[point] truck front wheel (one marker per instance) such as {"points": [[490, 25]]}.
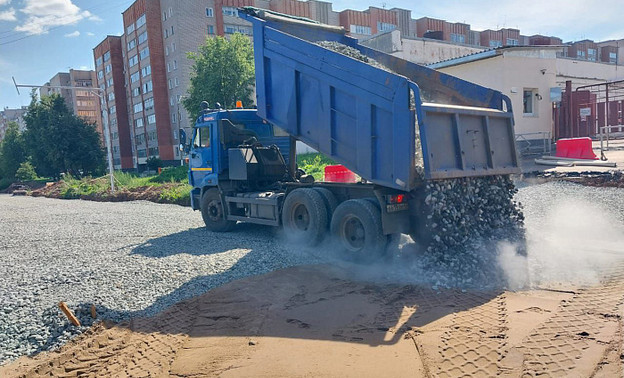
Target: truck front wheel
{"points": [[212, 212], [304, 216], [356, 226]]}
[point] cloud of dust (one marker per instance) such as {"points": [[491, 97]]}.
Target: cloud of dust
{"points": [[573, 243]]}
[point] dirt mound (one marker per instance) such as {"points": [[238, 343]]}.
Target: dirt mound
{"points": [[612, 179], [152, 193], [316, 321]]}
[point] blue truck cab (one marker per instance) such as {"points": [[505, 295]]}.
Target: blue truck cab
{"points": [[217, 130]]}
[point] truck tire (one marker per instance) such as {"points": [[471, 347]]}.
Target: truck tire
{"points": [[356, 228], [304, 216], [212, 212], [331, 203]]}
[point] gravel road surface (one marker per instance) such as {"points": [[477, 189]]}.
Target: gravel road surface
{"points": [[129, 259], [138, 258]]}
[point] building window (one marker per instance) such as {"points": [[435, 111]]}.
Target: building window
{"points": [[107, 56], [231, 29], [108, 68], [151, 119], [458, 38], [528, 102], [149, 103], [166, 33], [133, 61], [164, 18], [142, 37], [173, 47], [130, 28], [136, 91], [147, 87], [141, 153], [138, 122], [112, 109], [109, 82], [591, 54], [176, 81], [144, 53], [210, 29], [384, 27], [173, 118], [131, 44], [495, 43], [175, 64], [612, 57], [170, 84], [209, 12], [580, 54], [100, 74], [167, 50], [153, 151], [135, 77], [512, 42], [111, 96], [171, 30], [360, 29], [140, 21], [230, 11], [147, 70], [98, 61], [138, 107]]}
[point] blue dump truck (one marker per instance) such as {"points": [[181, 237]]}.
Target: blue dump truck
{"points": [[397, 127]]}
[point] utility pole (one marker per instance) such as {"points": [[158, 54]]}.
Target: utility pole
{"points": [[100, 94], [180, 97]]}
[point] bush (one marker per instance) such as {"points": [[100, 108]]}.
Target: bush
{"points": [[5, 183], [26, 172], [180, 194], [153, 163], [172, 174]]}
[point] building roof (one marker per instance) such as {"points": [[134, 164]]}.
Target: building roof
{"points": [[488, 54]]}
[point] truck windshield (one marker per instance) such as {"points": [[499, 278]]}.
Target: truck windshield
{"points": [[202, 137]]}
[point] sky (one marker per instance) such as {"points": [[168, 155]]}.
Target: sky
{"points": [[39, 38]]}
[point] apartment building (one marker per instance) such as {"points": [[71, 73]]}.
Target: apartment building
{"points": [[146, 83], [9, 115], [109, 65], [83, 102]]}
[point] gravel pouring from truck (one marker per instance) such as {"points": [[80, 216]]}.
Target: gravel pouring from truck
{"points": [[371, 120]]}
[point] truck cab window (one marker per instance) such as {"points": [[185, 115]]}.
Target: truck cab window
{"points": [[202, 137]]}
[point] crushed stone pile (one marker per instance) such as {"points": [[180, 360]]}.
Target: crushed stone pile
{"points": [[456, 211]]}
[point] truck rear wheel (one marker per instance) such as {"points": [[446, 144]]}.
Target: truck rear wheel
{"points": [[356, 226], [212, 212], [304, 216]]}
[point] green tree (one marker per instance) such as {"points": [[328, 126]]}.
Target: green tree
{"points": [[26, 172], [12, 151], [153, 163], [58, 141], [223, 71]]}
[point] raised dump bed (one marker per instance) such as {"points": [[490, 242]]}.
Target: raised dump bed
{"points": [[364, 117]]}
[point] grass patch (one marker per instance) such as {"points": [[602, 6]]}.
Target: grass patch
{"points": [[180, 194], [314, 164]]}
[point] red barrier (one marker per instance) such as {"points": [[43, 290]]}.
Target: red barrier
{"points": [[338, 173], [575, 148]]}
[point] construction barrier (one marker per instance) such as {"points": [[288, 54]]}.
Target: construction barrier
{"points": [[575, 148], [338, 173]]}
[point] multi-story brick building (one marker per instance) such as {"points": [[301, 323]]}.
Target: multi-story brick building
{"points": [[9, 115], [146, 77], [585, 49], [109, 65], [83, 102]]}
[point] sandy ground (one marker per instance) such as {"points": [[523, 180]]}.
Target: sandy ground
{"points": [[316, 321]]}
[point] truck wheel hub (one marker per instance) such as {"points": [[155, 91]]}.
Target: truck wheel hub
{"points": [[353, 235], [214, 210], [301, 218]]}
